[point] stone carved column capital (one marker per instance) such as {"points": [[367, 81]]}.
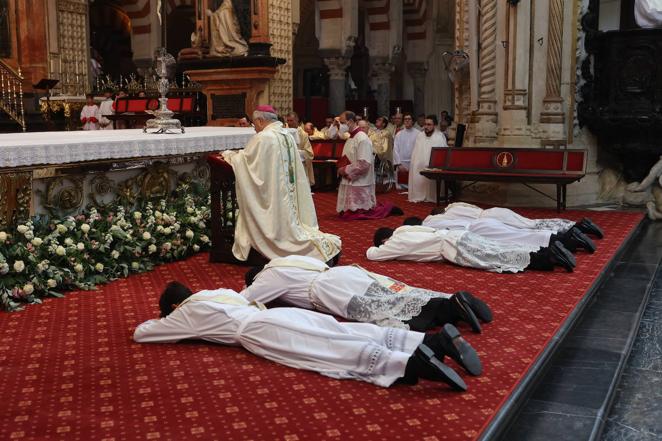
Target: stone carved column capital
{"points": [[381, 71], [337, 66]]}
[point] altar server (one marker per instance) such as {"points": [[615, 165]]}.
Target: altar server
{"points": [[106, 108], [464, 248], [462, 210], [404, 143], [356, 193], [276, 211], [356, 294], [89, 115], [422, 189], [304, 146], [308, 340]]}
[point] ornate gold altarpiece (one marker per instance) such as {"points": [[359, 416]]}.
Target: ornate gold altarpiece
{"points": [[59, 173]]}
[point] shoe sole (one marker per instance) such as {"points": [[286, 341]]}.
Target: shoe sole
{"points": [[480, 308], [468, 358], [467, 312], [446, 373]]}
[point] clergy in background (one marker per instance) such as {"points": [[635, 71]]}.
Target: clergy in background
{"points": [[422, 189], [276, 211], [403, 145], [356, 193], [305, 149]]}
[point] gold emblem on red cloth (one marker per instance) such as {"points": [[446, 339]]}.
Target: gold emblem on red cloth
{"points": [[504, 159]]}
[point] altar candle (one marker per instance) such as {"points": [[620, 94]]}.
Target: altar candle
{"points": [[365, 112], [76, 66], [397, 111]]}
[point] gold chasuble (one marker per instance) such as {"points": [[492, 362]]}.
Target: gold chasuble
{"points": [[276, 211]]}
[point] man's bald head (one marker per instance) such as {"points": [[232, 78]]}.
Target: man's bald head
{"points": [[364, 126]]}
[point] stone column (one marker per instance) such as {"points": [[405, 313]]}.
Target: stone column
{"points": [[552, 112], [337, 74], [381, 74], [486, 116], [418, 71]]}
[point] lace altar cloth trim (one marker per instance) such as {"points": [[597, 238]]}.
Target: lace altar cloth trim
{"points": [[36, 148]]}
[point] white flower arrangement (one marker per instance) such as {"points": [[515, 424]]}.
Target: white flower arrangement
{"points": [[45, 256]]}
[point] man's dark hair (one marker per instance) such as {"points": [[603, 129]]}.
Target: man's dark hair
{"points": [[383, 118], [293, 114], [173, 294], [421, 115], [89, 95], [433, 118], [437, 210], [407, 114], [413, 220], [349, 115], [381, 235], [249, 277]]}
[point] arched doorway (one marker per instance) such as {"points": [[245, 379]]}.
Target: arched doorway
{"points": [[110, 38]]}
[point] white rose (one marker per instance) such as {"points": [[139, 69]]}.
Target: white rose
{"points": [[60, 251], [37, 241], [3, 236], [98, 267], [115, 254], [167, 246], [137, 215], [146, 235], [196, 248], [204, 238], [201, 225], [78, 268], [29, 235], [159, 229], [28, 288], [135, 265], [4, 268], [167, 231], [158, 214], [189, 234], [151, 249], [68, 241], [51, 283], [176, 227], [22, 229], [19, 266], [61, 229], [189, 210], [85, 228], [80, 246]]}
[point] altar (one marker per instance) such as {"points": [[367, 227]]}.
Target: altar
{"points": [[60, 173]]}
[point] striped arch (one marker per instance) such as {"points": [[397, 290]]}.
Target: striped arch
{"points": [[414, 18], [329, 9], [378, 14], [139, 13]]}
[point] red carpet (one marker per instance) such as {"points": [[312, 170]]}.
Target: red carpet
{"points": [[69, 369]]}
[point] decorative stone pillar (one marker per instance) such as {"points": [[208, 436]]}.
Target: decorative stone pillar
{"points": [[552, 112], [337, 74], [486, 116], [381, 74], [418, 71]]}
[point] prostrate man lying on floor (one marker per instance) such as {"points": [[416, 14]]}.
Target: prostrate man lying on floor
{"points": [[356, 294], [464, 248], [462, 210], [494, 229], [309, 340]]}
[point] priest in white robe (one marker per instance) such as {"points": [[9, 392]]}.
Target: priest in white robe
{"points": [[354, 293], [422, 189], [465, 211], [276, 211], [464, 248], [356, 193], [306, 339], [403, 144]]}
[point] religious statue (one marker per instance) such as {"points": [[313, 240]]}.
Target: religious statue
{"points": [[651, 188], [225, 36]]}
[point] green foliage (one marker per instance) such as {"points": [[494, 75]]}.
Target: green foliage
{"points": [[46, 256]]}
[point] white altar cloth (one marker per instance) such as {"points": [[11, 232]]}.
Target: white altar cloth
{"points": [[43, 148]]}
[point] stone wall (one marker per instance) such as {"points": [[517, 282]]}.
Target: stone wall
{"points": [[281, 34]]}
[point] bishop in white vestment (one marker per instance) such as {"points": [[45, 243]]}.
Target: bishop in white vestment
{"points": [[356, 294], [306, 339], [276, 211], [422, 189]]}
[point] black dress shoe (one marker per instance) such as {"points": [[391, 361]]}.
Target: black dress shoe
{"points": [[396, 211], [479, 308], [581, 240], [449, 342], [425, 364], [463, 311], [587, 226], [560, 256]]}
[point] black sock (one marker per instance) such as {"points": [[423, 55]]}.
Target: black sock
{"points": [[540, 261], [429, 316]]}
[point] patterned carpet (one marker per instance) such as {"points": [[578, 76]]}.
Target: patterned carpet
{"points": [[69, 369]]}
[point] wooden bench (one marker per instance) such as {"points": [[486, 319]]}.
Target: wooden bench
{"points": [[494, 164], [327, 152]]}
